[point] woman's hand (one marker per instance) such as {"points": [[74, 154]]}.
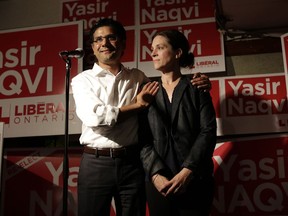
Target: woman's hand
{"points": [[179, 182], [161, 183]]}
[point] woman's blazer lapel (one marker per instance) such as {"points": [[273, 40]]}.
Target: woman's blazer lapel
{"points": [[177, 96]]}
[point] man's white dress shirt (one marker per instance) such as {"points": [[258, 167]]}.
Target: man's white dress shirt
{"points": [[98, 95]]}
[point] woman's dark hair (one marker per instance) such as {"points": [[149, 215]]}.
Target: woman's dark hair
{"points": [[115, 25], [178, 41]]}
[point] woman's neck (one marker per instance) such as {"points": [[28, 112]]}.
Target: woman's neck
{"points": [[170, 78], [169, 82]]}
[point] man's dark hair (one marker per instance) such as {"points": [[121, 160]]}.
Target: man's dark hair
{"points": [[115, 25]]}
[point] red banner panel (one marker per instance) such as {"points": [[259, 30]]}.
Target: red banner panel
{"points": [[174, 10], [251, 179], [251, 104], [90, 11], [30, 64], [255, 96]]}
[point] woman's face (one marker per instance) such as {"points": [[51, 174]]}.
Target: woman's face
{"points": [[163, 56]]}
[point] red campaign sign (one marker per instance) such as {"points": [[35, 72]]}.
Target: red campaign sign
{"points": [[256, 96], [174, 10], [30, 64], [129, 53], [247, 184], [251, 177], [33, 179], [90, 11], [204, 39]]}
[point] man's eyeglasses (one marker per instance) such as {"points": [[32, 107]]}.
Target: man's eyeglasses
{"points": [[111, 38]]}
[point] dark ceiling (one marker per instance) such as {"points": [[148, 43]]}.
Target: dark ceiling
{"points": [[252, 18]]}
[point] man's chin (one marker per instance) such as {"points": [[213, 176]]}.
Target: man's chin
{"points": [[107, 58]]}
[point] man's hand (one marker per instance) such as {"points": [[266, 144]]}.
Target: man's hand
{"points": [[143, 99], [147, 93], [201, 81]]}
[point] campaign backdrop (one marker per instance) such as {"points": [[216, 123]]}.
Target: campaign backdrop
{"points": [[251, 104], [251, 179], [32, 75], [32, 78], [251, 176], [244, 105], [143, 18]]}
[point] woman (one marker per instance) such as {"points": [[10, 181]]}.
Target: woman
{"points": [[181, 136]]}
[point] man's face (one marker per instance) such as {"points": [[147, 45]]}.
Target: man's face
{"points": [[107, 47]]}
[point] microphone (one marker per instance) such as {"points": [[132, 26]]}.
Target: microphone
{"points": [[77, 53]]}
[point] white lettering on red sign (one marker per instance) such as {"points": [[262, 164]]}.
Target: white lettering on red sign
{"points": [[249, 170], [267, 171], [146, 50], [258, 89], [255, 98], [78, 9], [88, 13], [174, 14], [13, 81], [15, 86], [56, 173], [18, 57]]}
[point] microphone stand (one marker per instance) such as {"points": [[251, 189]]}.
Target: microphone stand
{"points": [[66, 56], [65, 157]]}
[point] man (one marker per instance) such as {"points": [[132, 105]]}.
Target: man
{"points": [[108, 98]]}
